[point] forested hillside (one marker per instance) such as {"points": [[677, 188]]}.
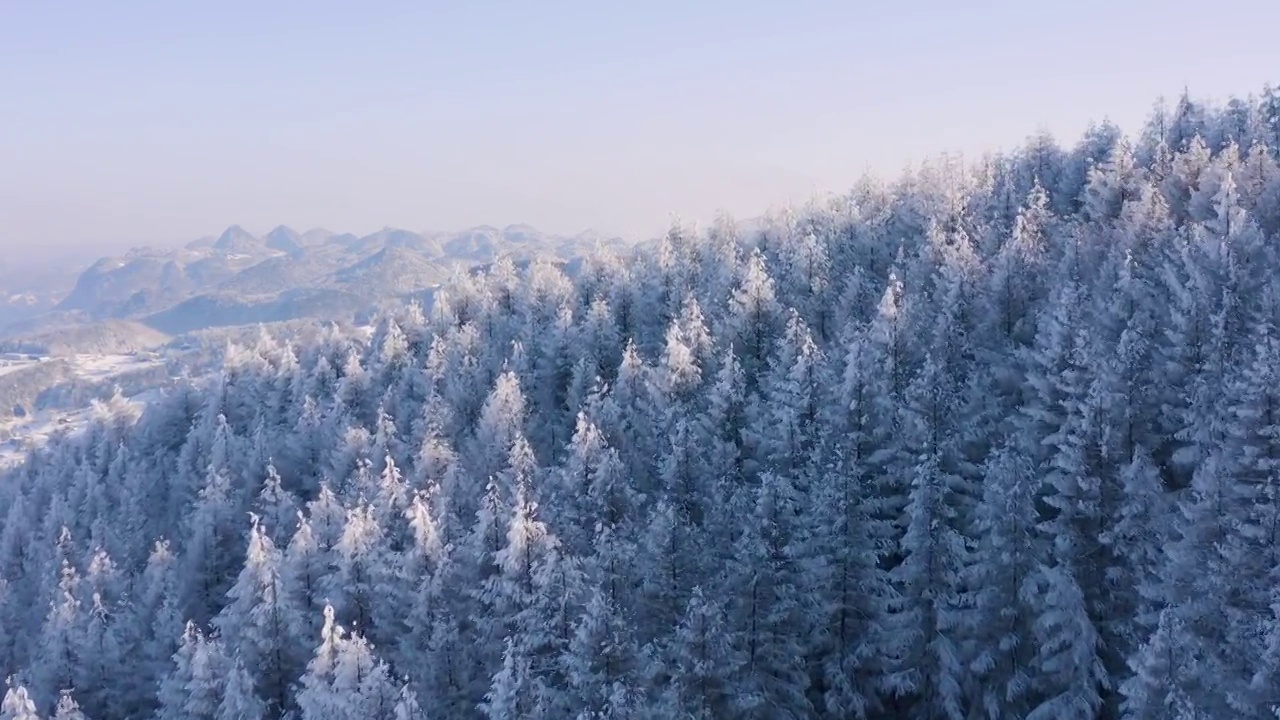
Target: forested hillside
{"points": [[994, 440]]}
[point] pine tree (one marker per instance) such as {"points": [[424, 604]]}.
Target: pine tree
{"points": [[518, 606], [476, 569], [1266, 675], [1158, 688], [512, 694], [1003, 573], [926, 621], [702, 663], [17, 704], [627, 417], [67, 708], [305, 569], [390, 499], [664, 571], [787, 429], [407, 707], [1253, 552], [592, 487], [239, 700], [173, 686], [878, 366], [1110, 183], [211, 548], [600, 662], [1200, 570], [60, 651], [1136, 539], [409, 580], [437, 469], [1067, 669], [433, 642], [697, 339], [258, 625], [100, 661], [359, 563], [850, 589], [755, 317], [500, 424], [927, 660], [152, 624], [194, 688], [678, 375], [1073, 469], [344, 680], [277, 508], [1016, 280], [550, 374], [316, 699], [766, 612], [723, 422]]}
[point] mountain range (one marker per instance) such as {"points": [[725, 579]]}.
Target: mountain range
{"points": [[239, 278]]}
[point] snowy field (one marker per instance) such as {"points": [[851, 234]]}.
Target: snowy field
{"points": [[11, 363], [102, 367], [34, 431], [20, 433]]}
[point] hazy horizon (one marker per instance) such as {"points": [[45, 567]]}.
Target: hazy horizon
{"points": [[138, 125]]}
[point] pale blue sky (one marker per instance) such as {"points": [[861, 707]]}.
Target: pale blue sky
{"points": [[132, 122]]}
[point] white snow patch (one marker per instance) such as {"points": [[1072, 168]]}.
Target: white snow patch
{"points": [[19, 436], [99, 367], [12, 364]]}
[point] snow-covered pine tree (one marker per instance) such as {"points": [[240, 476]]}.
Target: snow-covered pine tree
{"points": [[240, 700], [17, 704], [702, 662], [1002, 575], [766, 613], [258, 627], [67, 708]]}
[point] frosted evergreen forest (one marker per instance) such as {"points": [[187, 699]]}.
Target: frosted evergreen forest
{"points": [[997, 439]]}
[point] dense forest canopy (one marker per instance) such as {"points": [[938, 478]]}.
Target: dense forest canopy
{"points": [[994, 440]]}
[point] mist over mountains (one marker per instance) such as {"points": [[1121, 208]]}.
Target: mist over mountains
{"points": [[238, 278]]}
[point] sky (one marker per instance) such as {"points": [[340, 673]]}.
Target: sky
{"points": [[128, 123]]}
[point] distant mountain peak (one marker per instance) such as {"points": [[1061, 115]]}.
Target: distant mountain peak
{"points": [[284, 239], [234, 238], [201, 243], [387, 254], [316, 236]]}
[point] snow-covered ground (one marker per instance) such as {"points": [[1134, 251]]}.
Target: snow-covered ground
{"points": [[101, 367], [91, 375], [85, 367], [34, 431], [14, 363]]}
